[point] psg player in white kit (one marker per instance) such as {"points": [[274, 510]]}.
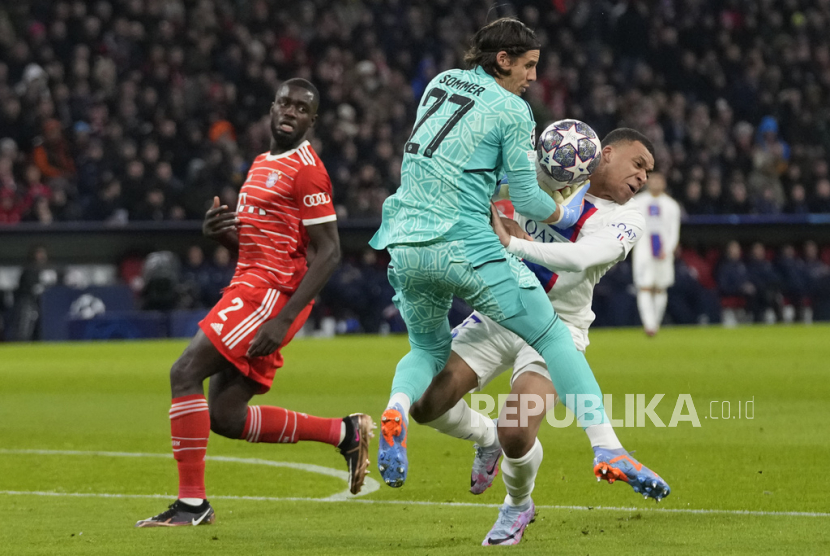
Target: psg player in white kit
{"points": [[569, 263], [652, 261], [285, 213]]}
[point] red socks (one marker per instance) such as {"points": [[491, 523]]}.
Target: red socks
{"points": [[275, 424], [190, 428]]}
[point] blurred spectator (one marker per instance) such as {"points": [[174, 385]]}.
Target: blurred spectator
{"points": [[766, 304], [40, 211], [161, 277], [794, 280], [693, 299], [615, 300], [738, 201], [821, 199], [195, 278], [38, 274], [11, 207], [693, 200], [91, 165], [359, 292], [766, 202], [770, 157], [689, 302], [712, 202], [732, 276], [202, 281], [107, 206], [798, 200], [52, 152], [220, 272], [34, 186], [153, 206], [818, 281]]}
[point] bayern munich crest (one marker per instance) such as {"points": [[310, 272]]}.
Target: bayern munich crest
{"points": [[273, 178]]}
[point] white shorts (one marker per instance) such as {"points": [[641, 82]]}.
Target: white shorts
{"points": [[490, 350], [649, 272]]}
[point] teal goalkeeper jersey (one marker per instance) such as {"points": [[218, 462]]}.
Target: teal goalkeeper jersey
{"points": [[469, 132]]}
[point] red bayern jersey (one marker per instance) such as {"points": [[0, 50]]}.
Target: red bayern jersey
{"points": [[282, 195]]}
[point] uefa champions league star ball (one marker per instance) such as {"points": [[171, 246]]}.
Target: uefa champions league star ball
{"points": [[568, 152]]}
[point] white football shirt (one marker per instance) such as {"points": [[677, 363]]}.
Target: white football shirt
{"points": [[602, 237]]}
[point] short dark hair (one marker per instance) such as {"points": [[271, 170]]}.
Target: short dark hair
{"points": [[307, 85], [628, 135], [507, 34]]}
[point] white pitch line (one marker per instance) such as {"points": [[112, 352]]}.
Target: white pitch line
{"points": [[370, 486], [417, 503]]}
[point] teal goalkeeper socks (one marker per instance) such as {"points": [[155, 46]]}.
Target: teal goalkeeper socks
{"points": [[572, 376], [428, 355]]}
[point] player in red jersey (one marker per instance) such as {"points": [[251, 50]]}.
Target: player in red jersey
{"points": [[285, 213]]}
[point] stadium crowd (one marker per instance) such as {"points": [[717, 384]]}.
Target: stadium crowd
{"points": [[143, 110], [120, 110]]}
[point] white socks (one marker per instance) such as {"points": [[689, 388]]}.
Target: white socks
{"points": [[520, 475], [402, 399], [652, 307], [464, 423], [645, 304], [660, 300], [192, 501], [603, 436]]}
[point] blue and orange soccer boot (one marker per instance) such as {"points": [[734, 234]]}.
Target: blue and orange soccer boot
{"points": [[618, 465], [392, 461]]}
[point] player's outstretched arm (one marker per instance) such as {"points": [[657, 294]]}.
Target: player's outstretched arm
{"points": [[569, 257], [608, 245], [324, 242], [220, 225]]}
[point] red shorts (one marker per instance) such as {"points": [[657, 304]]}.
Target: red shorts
{"points": [[234, 321]]}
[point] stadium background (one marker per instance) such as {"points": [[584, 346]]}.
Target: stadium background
{"points": [[121, 120]]}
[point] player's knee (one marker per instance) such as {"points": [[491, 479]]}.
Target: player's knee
{"points": [[181, 374], [224, 424], [421, 412], [515, 441]]}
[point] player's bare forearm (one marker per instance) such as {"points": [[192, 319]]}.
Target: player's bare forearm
{"points": [[325, 243]]}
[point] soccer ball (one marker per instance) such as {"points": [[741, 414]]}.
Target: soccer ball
{"points": [[568, 152]]}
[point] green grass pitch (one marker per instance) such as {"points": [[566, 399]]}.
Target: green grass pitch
{"points": [[758, 483]]}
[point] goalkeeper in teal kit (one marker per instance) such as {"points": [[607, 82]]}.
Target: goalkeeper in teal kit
{"points": [[472, 128]]}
